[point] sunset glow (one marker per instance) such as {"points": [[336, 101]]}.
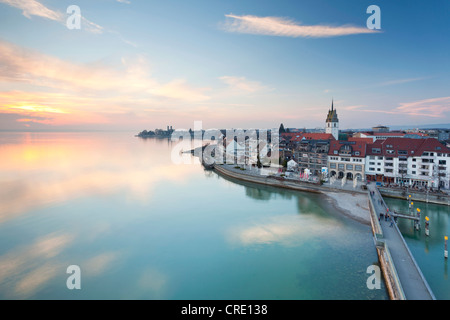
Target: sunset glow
{"points": [[236, 66]]}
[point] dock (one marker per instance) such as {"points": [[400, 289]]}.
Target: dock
{"points": [[403, 276]]}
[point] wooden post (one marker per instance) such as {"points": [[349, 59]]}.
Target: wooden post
{"points": [[417, 223], [427, 223], [445, 248]]}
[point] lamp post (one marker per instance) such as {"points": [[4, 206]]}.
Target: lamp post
{"points": [[445, 248], [417, 222], [427, 223]]}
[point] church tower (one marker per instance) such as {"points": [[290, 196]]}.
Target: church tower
{"points": [[332, 122]]}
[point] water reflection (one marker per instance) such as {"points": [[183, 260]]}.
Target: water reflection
{"points": [[306, 202], [141, 227], [38, 171]]}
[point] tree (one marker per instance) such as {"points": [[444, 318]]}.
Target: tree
{"points": [[281, 130], [258, 162]]}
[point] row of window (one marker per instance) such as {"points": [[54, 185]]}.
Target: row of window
{"points": [[346, 159], [346, 166]]}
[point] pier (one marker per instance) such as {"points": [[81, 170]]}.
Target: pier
{"points": [[403, 276]]}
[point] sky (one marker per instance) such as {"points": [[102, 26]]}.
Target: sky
{"points": [[144, 64]]}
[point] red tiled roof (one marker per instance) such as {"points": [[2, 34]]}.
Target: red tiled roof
{"points": [[411, 147], [431, 145], [366, 140], [357, 146], [313, 136]]}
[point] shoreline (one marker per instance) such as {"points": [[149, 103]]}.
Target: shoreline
{"points": [[353, 205]]}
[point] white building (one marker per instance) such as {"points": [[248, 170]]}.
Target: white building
{"points": [[411, 162]]}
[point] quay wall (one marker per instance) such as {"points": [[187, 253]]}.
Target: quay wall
{"points": [[415, 196], [270, 181], [390, 275]]}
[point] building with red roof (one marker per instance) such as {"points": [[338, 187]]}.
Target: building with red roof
{"points": [[407, 161], [346, 159]]}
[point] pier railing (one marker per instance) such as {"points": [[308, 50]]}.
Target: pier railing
{"points": [[392, 275]]}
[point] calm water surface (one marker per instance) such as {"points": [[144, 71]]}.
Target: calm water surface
{"points": [[141, 227]]}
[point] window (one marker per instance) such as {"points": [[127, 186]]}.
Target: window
{"points": [[371, 157], [371, 169], [413, 165], [413, 172], [372, 163], [358, 167], [376, 150], [402, 152], [442, 162], [390, 151], [341, 167], [356, 153], [425, 154], [335, 152], [414, 159], [378, 169], [389, 170], [349, 167], [333, 165]]}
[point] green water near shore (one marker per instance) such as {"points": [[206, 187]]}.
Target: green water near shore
{"points": [[428, 251], [141, 227]]}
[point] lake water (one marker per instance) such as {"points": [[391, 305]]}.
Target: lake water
{"points": [[428, 251], [140, 227]]}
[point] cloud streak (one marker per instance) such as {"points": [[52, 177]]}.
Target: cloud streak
{"points": [[283, 27], [430, 108], [35, 8], [242, 84]]}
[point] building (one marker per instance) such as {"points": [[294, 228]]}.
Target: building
{"points": [[379, 135], [380, 128], [420, 163], [332, 123], [312, 155], [347, 159]]}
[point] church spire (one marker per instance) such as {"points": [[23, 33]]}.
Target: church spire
{"points": [[332, 104]]}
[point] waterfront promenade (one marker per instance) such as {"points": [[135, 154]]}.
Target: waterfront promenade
{"points": [[411, 280]]}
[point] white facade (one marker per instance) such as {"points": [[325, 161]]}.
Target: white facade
{"points": [[333, 128], [431, 169]]}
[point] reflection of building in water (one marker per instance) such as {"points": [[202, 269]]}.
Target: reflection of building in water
{"points": [[258, 194]]}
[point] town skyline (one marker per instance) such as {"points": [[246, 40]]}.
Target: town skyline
{"points": [[137, 65]]}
